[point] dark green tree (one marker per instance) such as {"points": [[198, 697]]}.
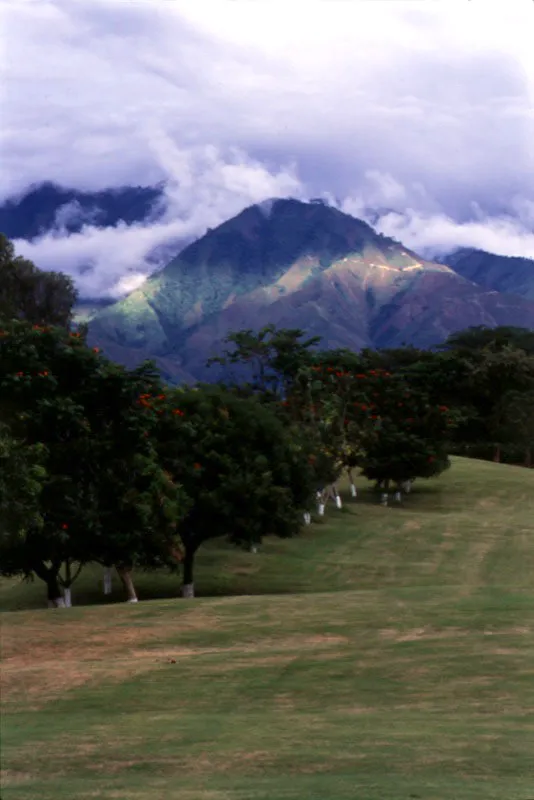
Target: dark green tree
{"points": [[104, 497], [247, 476], [28, 293], [267, 362], [483, 338]]}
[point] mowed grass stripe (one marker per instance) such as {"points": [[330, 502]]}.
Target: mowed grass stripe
{"points": [[408, 673]]}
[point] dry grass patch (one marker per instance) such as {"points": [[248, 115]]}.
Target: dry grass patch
{"points": [[42, 664], [412, 525], [426, 632]]}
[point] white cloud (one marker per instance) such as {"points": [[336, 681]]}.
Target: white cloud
{"points": [[426, 109], [438, 234], [203, 190], [72, 213]]}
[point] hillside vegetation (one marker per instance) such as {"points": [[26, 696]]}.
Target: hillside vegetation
{"points": [[384, 654]]}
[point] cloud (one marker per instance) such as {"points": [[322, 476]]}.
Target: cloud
{"points": [[73, 213], [205, 189], [393, 210], [423, 109], [437, 234]]}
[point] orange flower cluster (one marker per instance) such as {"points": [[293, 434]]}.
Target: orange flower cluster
{"points": [[43, 374]]}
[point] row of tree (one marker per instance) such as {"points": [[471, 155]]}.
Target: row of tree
{"points": [[103, 464]]}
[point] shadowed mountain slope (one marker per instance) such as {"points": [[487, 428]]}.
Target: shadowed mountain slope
{"points": [[500, 273]]}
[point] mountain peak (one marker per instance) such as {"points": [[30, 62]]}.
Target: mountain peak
{"points": [[295, 264]]}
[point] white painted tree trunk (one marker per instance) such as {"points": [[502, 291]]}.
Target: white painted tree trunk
{"points": [[253, 548], [126, 577], [339, 504], [188, 590], [384, 499], [107, 580], [332, 492], [398, 497], [67, 597], [307, 518], [58, 602], [353, 490], [320, 509]]}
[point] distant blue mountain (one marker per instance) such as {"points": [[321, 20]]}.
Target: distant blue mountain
{"points": [[511, 275], [47, 206]]}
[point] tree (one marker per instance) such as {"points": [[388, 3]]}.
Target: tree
{"points": [[495, 339], [494, 374], [269, 360], [21, 482], [246, 475], [517, 410], [407, 435], [105, 497], [30, 294]]}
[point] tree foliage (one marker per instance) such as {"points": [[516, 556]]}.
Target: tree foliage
{"points": [[104, 495], [103, 464], [28, 293], [246, 475]]}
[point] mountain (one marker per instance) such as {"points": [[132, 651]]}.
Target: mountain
{"points": [[299, 265], [47, 206], [500, 273]]}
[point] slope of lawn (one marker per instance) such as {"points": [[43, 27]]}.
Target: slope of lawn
{"points": [[386, 654]]}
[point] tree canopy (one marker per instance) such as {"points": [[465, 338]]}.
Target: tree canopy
{"points": [[28, 293]]}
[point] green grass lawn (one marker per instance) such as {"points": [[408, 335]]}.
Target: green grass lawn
{"points": [[386, 654]]}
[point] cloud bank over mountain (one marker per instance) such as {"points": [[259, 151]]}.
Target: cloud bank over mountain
{"points": [[424, 112]]}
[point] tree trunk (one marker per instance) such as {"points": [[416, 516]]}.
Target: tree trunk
{"points": [[50, 575], [67, 584], [497, 453], [107, 580], [385, 496], [188, 587], [321, 503], [53, 592], [528, 457], [125, 574]]}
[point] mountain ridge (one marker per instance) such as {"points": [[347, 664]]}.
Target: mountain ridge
{"points": [[295, 264]]}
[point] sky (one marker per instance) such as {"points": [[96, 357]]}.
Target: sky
{"points": [[422, 110]]}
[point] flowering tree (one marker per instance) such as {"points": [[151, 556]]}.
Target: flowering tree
{"points": [[105, 497], [246, 475], [409, 435]]}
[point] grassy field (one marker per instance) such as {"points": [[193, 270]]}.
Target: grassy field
{"points": [[386, 654]]}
